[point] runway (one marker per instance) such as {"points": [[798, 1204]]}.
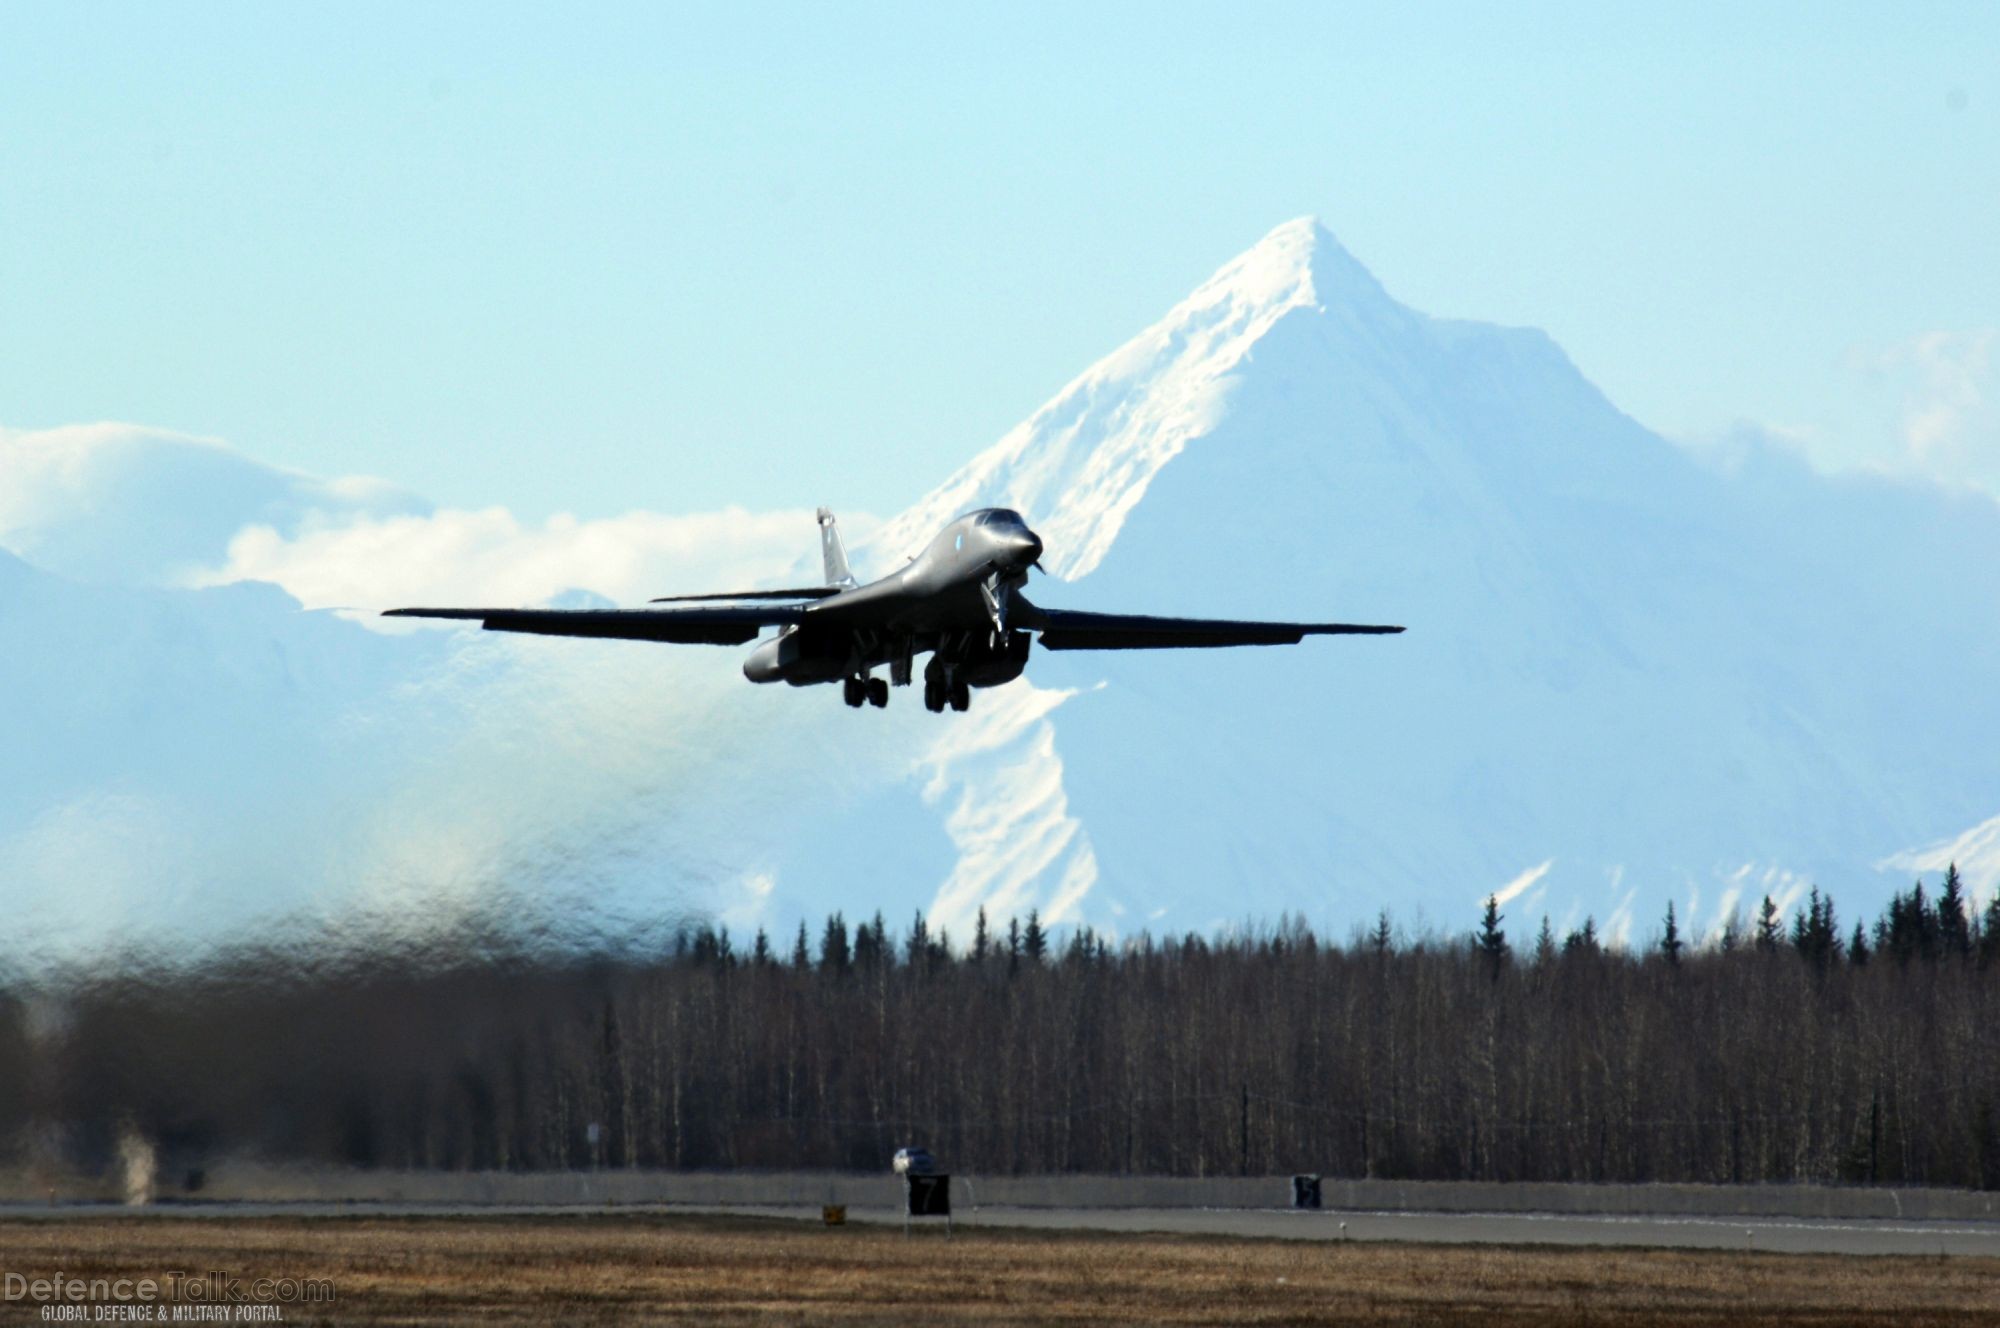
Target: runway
{"points": [[1790, 1236], [1851, 1236]]}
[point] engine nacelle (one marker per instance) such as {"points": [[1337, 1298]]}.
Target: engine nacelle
{"points": [[994, 664], [788, 658]]}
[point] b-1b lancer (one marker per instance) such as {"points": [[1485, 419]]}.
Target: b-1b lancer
{"points": [[959, 600]]}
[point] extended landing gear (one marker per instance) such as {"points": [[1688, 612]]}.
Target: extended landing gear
{"points": [[873, 691], [942, 688]]}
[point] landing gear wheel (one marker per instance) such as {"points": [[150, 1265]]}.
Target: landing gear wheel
{"points": [[878, 693], [934, 693], [854, 692], [961, 695]]}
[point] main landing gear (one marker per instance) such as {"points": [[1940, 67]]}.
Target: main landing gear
{"points": [[873, 691], [942, 688]]}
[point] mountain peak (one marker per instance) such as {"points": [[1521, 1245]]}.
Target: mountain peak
{"points": [[1297, 263], [1083, 461]]}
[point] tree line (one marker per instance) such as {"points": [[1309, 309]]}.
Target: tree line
{"points": [[1787, 1049]]}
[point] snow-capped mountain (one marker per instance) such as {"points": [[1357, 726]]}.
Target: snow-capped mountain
{"points": [[1632, 673]]}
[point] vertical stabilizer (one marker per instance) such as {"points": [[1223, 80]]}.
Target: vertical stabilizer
{"points": [[835, 556]]}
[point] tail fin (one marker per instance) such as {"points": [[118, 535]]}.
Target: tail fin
{"points": [[835, 556]]}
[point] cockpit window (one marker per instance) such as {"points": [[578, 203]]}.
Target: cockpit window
{"points": [[1001, 516]]}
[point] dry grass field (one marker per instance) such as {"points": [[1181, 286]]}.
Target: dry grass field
{"points": [[605, 1269]]}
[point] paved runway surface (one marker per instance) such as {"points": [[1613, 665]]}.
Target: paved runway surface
{"points": [[1795, 1235], [1779, 1235]]}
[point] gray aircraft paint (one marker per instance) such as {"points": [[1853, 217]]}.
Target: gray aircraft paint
{"points": [[959, 601]]}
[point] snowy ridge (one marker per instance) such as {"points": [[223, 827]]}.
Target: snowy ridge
{"points": [[1083, 462], [1008, 816]]}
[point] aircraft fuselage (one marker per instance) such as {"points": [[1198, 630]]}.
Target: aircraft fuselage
{"points": [[952, 601]]}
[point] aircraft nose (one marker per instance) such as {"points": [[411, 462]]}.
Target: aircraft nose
{"points": [[1028, 547]]}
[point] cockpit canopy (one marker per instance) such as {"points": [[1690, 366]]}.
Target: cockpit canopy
{"points": [[999, 516]]}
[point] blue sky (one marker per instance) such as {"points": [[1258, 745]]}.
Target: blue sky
{"points": [[596, 258]]}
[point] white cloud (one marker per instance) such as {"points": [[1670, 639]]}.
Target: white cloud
{"points": [[1927, 408], [139, 506], [1945, 421], [1951, 420], [490, 557], [135, 505]]}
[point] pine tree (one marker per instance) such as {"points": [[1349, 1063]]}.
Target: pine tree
{"points": [[1732, 931], [760, 950], [1857, 948], [1583, 940], [711, 947], [1989, 931], [801, 952], [1545, 944], [871, 945], [1769, 930], [1815, 933], [1382, 938], [1954, 931], [834, 954], [1491, 941], [981, 943], [1670, 943], [1909, 929], [1913, 925], [1013, 946], [1034, 940], [1924, 919]]}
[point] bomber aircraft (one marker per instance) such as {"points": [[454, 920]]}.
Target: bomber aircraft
{"points": [[959, 600]]}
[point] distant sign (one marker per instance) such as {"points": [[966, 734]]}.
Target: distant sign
{"points": [[930, 1194]]}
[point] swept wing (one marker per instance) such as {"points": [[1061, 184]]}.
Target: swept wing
{"points": [[804, 592], [1064, 629], [719, 626]]}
